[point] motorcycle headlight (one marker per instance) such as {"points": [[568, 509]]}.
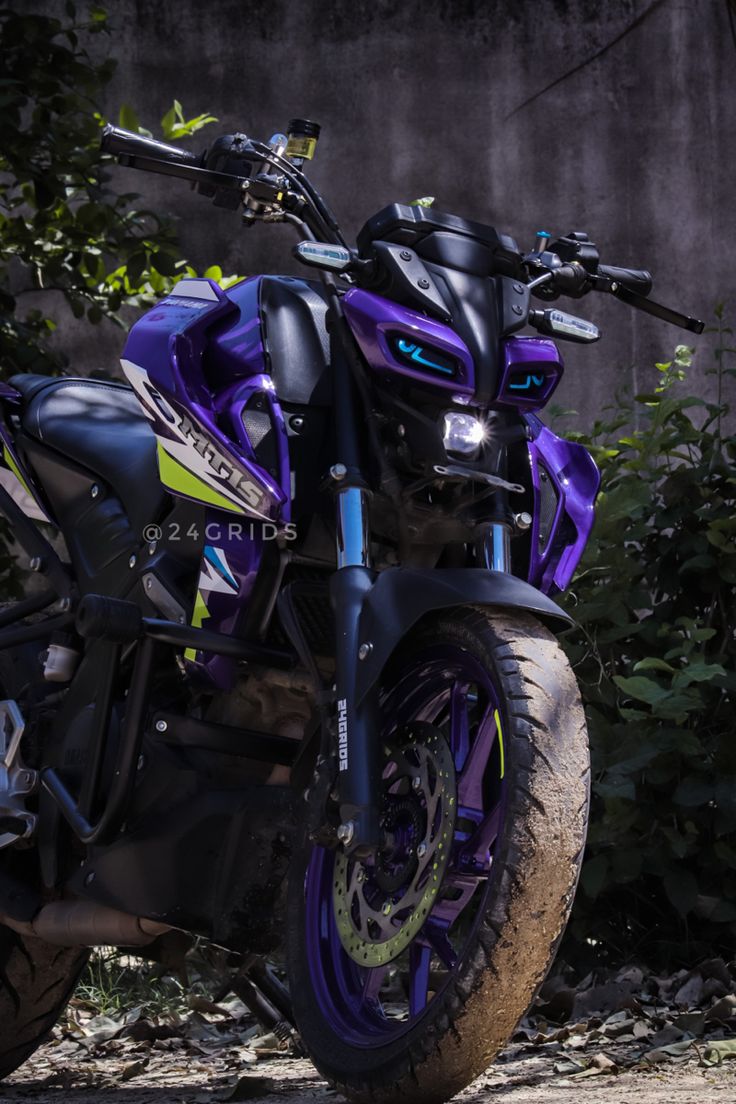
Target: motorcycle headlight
{"points": [[462, 433]]}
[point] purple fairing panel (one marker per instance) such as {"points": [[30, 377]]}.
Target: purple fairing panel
{"points": [[374, 320], [198, 364], [566, 483], [9, 394], [258, 392], [169, 345], [531, 368], [235, 346], [231, 557]]}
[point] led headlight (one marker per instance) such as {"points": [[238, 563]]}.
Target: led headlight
{"points": [[462, 433]]}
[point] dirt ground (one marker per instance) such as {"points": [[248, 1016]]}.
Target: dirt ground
{"points": [[630, 1037], [523, 1075]]}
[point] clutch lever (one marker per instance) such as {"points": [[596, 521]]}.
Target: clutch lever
{"points": [[642, 303]]}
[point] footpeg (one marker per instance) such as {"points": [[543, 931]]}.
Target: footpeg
{"points": [[16, 781], [14, 826]]}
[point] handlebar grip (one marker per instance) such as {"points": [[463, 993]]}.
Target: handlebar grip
{"points": [[635, 279], [123, 143]]}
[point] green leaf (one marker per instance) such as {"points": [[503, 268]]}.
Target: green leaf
{"points": [[168, 122], [164, 263], [699, 672], [682, 889], [128, 118], [135, 268], [593, 876], [641, 689], [693, 791], [653, 663]]}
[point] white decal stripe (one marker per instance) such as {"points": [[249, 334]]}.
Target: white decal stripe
{"points": [[211, 581], [137, 378], [192, 288], [179, 445]]}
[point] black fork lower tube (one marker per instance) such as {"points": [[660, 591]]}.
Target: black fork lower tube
{"points": [[358, 733]]}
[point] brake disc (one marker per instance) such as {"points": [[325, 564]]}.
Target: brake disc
{"points": [[381, 907]]}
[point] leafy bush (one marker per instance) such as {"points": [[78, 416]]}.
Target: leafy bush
{"points": [[65, 232], [63, 227], [656, 602]]}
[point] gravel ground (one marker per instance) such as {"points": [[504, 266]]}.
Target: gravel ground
{"points": [[631, 1037], [521, 1076]]}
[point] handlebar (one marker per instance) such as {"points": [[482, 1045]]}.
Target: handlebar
{"points": [[265, 179], [568, 265], [635, 279], [124, 143], [629, 285]]}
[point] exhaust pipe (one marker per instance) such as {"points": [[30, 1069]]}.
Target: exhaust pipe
{"points": [[86, 924]]}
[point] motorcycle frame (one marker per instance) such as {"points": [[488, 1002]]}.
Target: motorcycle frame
{"points": [[372, 612]]}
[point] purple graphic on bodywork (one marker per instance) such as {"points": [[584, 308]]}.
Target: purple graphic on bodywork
{"points": [[374, 319], [8, 393], [169, 343], [203, 353], [530, 371], [235, 345], [253, 397], [231, 558], [566, 483]]}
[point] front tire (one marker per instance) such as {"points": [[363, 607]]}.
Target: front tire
{"points": [[480, 967]]}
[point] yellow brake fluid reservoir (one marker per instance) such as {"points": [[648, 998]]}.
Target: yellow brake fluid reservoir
{"points": [[303, 135]]}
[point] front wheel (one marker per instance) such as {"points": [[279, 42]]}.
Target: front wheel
{"points": [[409, 973]]}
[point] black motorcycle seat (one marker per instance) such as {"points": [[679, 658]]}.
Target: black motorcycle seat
{"points": [[29, 384], [100, 426]]}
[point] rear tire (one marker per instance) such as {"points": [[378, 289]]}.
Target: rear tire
{"points": [[523, 906], [36, 982], [36, 978]]}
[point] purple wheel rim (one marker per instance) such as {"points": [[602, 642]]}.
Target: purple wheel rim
{"points": [[448, 687]]}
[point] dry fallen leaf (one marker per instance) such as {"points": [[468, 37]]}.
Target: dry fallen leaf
{"points": [[717, 1052], [599, 1064], [133, 1069], [723, 1009], [672, 1053]]}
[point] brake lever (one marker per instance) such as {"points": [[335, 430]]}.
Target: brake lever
{"points": [[260, 189], [642, 303]]}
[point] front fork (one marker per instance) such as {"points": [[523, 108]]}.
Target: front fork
{"points": [[497, 547], [358, 722], [358, 719]]}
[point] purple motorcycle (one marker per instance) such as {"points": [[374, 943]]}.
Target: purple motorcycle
{"points": [[290, 679]]}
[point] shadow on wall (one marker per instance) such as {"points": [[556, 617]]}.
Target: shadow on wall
{"points": [[608, 118]]}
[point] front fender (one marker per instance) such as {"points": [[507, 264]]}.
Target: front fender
{"points": [[401, 596]]}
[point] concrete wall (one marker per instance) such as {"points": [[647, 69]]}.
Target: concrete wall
{"points": [[616, 118]]}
